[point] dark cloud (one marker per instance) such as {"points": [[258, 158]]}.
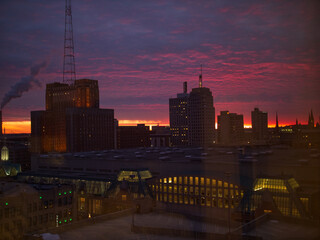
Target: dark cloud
{"points": [[141, 51]]}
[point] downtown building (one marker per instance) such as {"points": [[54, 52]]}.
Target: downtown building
{"points": [[259, 122], [192, 117], [72, 121], [178, 114], [230, 128]]}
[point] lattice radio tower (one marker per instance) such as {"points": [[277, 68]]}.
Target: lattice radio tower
{"points": [[69, 69]]}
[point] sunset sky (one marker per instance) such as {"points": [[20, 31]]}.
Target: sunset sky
{"points": [[254, 53]]}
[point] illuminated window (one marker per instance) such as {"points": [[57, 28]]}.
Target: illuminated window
{"points": [[208, 182], [196, 181], [124, 197], [82, 203], [196, 191], [175, 189], [175, 199], [185, 190], [175, 180], [186, 200], [191, 180], [165, 188], [214, 192], [202, 191], [202, 181], [214, 182], [185, 180], [208, 202], [180, 199]]}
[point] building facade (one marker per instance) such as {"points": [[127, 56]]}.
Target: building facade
{"points": [[230, 128], [178, 114], [201, 117], [133, 136], [72, 120], [26, 208], [259, 122]]}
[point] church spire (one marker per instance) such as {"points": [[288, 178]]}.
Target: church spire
{"points": [[311, 120]]}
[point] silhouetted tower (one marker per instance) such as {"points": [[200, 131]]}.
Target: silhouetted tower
{"points": [[277, 122], [311, 120], [200, 77], [69, 70]]}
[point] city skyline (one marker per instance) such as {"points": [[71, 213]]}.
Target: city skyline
{"points": [[254, 55]]}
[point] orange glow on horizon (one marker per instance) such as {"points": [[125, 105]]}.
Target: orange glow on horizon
{"points": [[146, 122], [15, 127]]}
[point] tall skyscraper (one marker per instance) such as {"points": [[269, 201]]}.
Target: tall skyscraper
{"points": [[259, 122], [178, 114], [230, 128], [201, 116], [72, 121]]}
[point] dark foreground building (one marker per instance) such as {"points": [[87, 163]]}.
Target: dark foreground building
{"points": [[72, 120]]}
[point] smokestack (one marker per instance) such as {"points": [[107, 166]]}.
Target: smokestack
{"points": [[185, 87], [24, 85]]}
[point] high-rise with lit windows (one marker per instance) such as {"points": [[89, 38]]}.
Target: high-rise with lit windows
{"points": [[178, 110], [201, 116], [72, 120], [192, 117]]}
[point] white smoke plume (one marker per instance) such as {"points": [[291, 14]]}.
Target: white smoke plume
{"points": [[24, 85]]}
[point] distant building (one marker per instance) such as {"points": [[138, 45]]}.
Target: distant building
{"points": [[201, 116], [192, 117], [89, 129], [230, 128], [178, 113], [133, 136], [160, 136], [72, 120], [259, 122]]}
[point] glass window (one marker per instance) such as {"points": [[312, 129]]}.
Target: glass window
{"points": [[208, 182], [202, 181], [196, 181], [191, 180], [185, 180]]}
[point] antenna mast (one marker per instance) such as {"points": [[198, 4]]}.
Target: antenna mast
{"points": [[69, 69], [200, 78]]}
